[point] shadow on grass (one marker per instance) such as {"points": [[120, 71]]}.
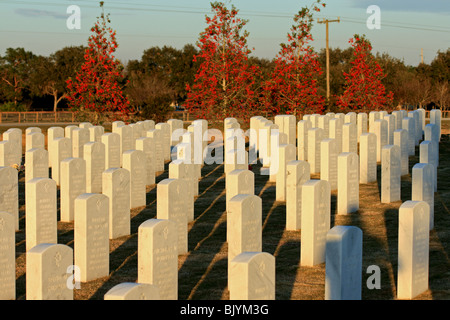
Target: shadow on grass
{"points": [[286, 267]]}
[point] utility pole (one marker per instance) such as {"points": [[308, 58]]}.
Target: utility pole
{"points": [[421, 55], [326, 21]]}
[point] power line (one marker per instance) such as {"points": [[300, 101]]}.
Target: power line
{"points": [[196, 10], [397, 26]]}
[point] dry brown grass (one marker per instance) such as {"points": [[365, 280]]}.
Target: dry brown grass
{"points": [[203, 271]]}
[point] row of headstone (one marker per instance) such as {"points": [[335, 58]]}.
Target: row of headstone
{"points": [[386, 144], [98, 200], [313, 210], [416, 216]]}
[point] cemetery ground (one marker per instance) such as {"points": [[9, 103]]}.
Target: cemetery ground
{"points": [[203, 270]]}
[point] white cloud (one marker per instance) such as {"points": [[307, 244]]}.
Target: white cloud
{"points": [[34, 13]]}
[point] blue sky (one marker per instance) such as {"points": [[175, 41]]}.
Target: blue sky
{"points": [[407, 26]]}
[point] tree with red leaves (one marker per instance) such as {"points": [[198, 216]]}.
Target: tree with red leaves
{"points": [[224, 85], [363, 87], [293, 86], [97, 86]]}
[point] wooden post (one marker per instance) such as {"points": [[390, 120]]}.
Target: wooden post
{"points": [[326, 21]]}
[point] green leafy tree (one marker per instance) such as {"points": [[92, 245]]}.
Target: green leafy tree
{"points": [[52, 72], [440, 67], [15, 73]]}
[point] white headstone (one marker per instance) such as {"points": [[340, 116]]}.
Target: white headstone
{"points": [[158, 256], [47, 276], [422, 187], [176, 131], [235, 160], [111, 141], [402, 141], [68, 131], [238, 182], [116, 186], [7, 154], [34, 140], [14, 136], [244, 225], [165, 139], [135, 162], [328, 162], [398, 119], [7, 256], [286, 154], [94, 155], [171, 201], [409, 125], [254, 133], [149, 124], [133, 291], [413, 249], [116, 124], [287, 125], [188, 168], [316, 204], [252, 276], [417, 126], [315, 136], [85, 125], [436, 119], [336, 132], [381, 131], [41, 212], [148, 148], [126, 139], [135, 134], [427, 155], [390, 119], [63, 150], [348, 183], [361, 123], [390, 174], [95, 133], [343, 263], [52, 134], [265, 134], [36, 164], [349, 137], [350, 117], [422, 115], [73, 184], [323, 123], [183, 171], [431, 133], [302, 139], [9, 193], [368, 158], [156, 136], [91, 240], [80, 137], [373, 115], [298, 172]]}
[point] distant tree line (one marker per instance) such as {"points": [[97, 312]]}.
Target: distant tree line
{"points": [[159, 78]]}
